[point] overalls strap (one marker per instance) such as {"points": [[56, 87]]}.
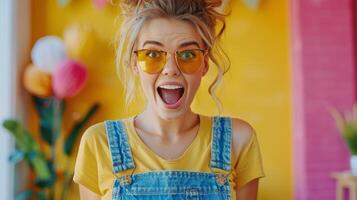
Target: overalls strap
{"points": [[221, 143], [122, 158]]}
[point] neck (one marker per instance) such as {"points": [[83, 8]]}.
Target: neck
{"points": [[148, 121]]}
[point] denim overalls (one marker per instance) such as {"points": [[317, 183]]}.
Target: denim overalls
{"points": [[171, 184]]}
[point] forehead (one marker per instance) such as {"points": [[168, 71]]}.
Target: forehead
{"points": [[169, 32]]}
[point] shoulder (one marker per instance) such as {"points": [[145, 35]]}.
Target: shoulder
{"points": [[242, 130], [242, 134], [97, 133], [94, 133]]}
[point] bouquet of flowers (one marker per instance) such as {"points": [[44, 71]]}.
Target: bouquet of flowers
{"points": [[51, 80]]}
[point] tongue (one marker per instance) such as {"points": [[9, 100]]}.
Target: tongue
{"points": [[170, 96]]}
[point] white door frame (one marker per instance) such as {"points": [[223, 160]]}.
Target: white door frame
{"points": [[15, 37]]}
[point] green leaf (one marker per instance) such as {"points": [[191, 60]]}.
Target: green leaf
{"points": [[41, 196], [350, 136], [25, 195], [29, 147], [50, 111], [77, 128], [50, 181], [23, 138], [338, 117], [43, 171], [16, 156], [67, 182]]}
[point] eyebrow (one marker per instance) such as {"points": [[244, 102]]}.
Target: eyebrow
{"points": [[181, 45], [189, 43], [152, 42]]}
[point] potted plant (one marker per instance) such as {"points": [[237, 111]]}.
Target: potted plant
{"points": [[347, 126]]}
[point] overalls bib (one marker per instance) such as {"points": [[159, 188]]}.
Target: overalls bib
{"points": [[157, 185]]}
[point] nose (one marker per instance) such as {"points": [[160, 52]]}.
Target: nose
{"points": [[171, 68]]}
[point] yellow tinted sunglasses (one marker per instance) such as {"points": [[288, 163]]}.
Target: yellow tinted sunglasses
{"points": [[153, 61]]}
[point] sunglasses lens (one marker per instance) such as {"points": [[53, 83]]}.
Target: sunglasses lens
{"points": [[190, 61], [151, 61]]}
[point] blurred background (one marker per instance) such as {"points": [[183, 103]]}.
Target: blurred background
{"points": [[293, 73]]}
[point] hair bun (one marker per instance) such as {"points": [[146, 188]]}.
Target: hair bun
{"points": [[218, 6], [129, 7], [208, 3], [213, 3]]}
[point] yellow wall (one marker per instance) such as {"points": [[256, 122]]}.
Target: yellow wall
{"points": [[257, 87]]}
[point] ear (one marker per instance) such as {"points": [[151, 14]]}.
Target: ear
{"points": [[206, 67], [135, 69], [135, 66]]}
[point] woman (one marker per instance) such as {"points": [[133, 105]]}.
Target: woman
{"points": [[168, 151]]}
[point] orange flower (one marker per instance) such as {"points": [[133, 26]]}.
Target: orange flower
{"points": [[37, 81]]}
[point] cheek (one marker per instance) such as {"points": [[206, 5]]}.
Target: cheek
{"points": [[148, 84], [194, 83]]}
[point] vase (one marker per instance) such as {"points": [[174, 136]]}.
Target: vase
{"points": [[353, 164]]}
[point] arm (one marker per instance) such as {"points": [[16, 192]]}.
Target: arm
{"points": [[246, 155], [86, 194], [86, 172], [248, 191]]}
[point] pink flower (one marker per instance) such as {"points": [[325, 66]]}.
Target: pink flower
{"points": [[68, 79]]}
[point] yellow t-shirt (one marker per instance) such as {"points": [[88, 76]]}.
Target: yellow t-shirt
{"points": [[93, 167]]}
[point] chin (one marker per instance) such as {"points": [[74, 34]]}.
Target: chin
{"points": [[171, 115]]}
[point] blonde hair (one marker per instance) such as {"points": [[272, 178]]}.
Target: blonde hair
{"points": [[203, 14]]}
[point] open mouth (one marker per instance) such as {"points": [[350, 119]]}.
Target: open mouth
{"points": [[170, 94]]}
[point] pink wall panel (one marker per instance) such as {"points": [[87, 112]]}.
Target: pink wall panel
{"points": [[323, 74]]}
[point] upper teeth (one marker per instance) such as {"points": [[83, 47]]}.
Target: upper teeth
{"points": [[170, 87]]}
